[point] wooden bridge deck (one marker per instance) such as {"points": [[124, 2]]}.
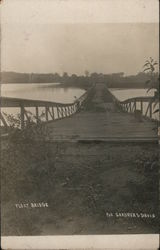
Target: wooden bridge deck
{"points": [[101, 119]]}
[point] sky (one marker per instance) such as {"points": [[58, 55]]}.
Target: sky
{"points": [[103, 47]]}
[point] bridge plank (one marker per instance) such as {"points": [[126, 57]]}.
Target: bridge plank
{"points": [[102, 119]]}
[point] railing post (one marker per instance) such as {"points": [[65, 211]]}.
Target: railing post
{"points": [[22, 117], [62, 112], [49, 112], [68, 111], [53, 116], [72, 109], [125, 107], [46, 108], [148, 107], [150, 110], [37, 114], [65, 111], [130, 107], [142, 107], [76, 107], [122, 107], [135, 105], [58, 116]]}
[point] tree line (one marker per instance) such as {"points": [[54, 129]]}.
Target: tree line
{"points": [[114, 80]]}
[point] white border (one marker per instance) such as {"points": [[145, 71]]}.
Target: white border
{"points": [[80, 11], [139, 241], [85, 11]]}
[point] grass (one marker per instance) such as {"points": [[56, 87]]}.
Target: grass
{"points": [[80, 182]]}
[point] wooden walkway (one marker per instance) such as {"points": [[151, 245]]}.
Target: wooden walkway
{"points": [[101, 119]]}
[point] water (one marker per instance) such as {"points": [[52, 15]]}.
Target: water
{"points": [[44, 91], [123, 94]]}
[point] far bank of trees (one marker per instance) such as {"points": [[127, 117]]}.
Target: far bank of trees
{"points": [[115, 80]]}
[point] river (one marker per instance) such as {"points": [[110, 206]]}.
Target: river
{"points": [[42, 91]]}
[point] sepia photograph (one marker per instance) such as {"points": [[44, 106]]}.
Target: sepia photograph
{"points": [[79, 120]]}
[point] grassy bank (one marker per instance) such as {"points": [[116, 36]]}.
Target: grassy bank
{"points": [[81, 182]]}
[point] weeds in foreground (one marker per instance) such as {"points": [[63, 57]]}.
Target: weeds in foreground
{"points": [[153, 82], [31, 130]]}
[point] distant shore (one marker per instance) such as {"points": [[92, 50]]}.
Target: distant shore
{"points": [[114, 80]]}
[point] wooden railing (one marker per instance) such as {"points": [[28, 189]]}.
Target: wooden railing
{"points": [[52, 110], [145, 106]]}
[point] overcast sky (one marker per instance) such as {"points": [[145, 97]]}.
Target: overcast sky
{"points": [[44, 47]]}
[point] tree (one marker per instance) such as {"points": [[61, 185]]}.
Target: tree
{"points": [[65, 77], [86, 73], [149, 67], [153, 82], [56, 77]]}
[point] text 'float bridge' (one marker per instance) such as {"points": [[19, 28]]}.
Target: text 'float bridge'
{"points": [[97, 115]]}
